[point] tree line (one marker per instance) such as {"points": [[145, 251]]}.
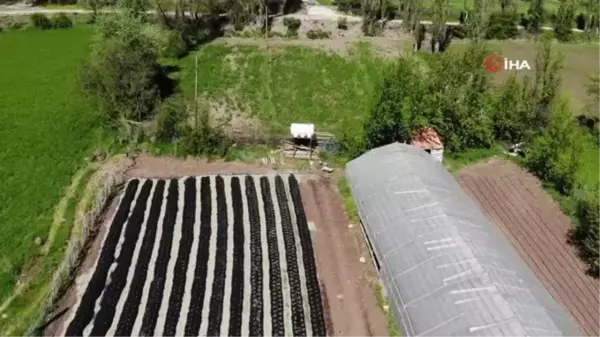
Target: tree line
{"points": [[479, 18]]}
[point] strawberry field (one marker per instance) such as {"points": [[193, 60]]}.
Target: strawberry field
{"points": [[211, 255]]}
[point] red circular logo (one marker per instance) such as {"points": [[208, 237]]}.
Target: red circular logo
{"points": [[494, 63]]}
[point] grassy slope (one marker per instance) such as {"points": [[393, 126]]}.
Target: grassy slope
{"points": [[45, 130], [297, 85]]}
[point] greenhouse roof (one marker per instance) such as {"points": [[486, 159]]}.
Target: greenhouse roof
{"points": [[446, 268]]}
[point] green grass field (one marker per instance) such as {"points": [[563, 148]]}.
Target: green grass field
{"points": [[580, 61], [291, 84], [46, 130]]}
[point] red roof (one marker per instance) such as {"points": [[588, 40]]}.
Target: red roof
{"points": [[427, 139]]}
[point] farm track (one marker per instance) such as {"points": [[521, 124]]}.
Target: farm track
{"points": [[534, 225], [186, 257]]}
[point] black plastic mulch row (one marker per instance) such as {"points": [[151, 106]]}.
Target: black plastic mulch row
{"points": [[275, 290], [183, 257], [256, 277], [131, 307], [298, 324], [237, 277], [156, 293], [85, 311], [312, 283], [218, 288], [118, 277], [194, 318]]}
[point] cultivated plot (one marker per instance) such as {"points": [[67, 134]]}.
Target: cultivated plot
{"points": [[535, 226], [212, 255]]}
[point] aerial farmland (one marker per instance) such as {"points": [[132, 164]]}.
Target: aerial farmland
{"points": [[232, 254]]}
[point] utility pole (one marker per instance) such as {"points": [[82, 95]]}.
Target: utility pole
{"points": [[196, 92]]}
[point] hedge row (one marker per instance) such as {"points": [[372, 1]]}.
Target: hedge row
{"points": [[41, 21]]}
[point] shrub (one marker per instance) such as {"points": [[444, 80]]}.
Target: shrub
{"points": [[587, 228], [315, 34], [459, 32], [170, 118], [61, 21], [166, 43], [342, 23], [12, 22], [352, 6], [41, 21], [203, 139], [292, 24], [502, 26]]}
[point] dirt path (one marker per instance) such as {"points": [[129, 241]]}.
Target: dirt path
{"points": [[346, 283]]}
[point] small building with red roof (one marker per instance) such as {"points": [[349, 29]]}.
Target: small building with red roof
{"points": [[427, 139]]}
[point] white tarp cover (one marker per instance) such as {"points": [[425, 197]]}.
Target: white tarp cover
{"points": [[298, 130], [447, 269]]}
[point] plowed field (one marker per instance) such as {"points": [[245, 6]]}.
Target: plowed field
{"points": [[534, 224], [197, 256]]}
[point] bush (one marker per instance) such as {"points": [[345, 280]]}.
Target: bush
{"points": [[585, 234], [61, 21], [459, 32], [502, 26], [41, 21], [292, 24], [352, 6], [342, 23], [166, 43], [170, 118], [315, 34], [203, 140]]}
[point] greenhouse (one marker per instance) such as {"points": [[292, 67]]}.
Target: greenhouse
{"points": [[447, 270]]}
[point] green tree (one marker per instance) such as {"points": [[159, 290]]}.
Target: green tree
{"points": [[512, 112], [478, 22], [399, 108], [563, 26], [371, 11], [459, 100], [555, 155], [535, 16], [136, 7], [593, 89], [123, 75], [507, 5], [547, 80], [439, 35], [94, 6], [592, 8], [586, 232]]}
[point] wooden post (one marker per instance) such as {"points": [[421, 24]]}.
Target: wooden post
{"points": [[196, 93]]}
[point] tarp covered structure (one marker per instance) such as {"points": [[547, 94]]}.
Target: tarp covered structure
{"points": [[446, 268]]}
